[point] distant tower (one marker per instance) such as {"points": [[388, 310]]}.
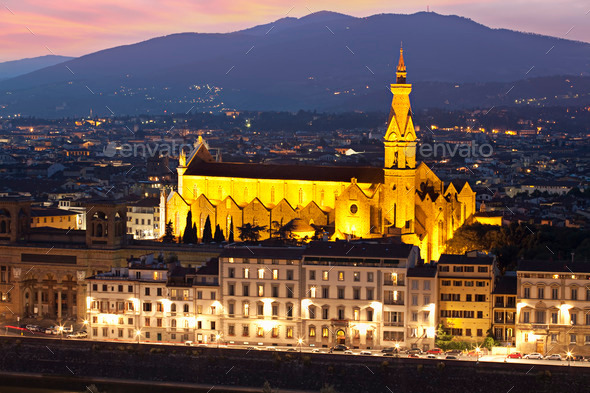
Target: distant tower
{"points": [[427, 8], [106, 224], [400, 155]]}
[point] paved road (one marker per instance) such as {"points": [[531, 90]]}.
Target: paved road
{"points": [[11, 331]]}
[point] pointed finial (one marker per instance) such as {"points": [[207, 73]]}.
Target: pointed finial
{"points": [[401, 67]]}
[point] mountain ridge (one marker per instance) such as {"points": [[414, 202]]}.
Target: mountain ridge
{"points": [[293, 63]]}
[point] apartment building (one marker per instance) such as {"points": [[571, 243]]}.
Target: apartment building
{"points": [[422, 310], [553, 307], [129, 303], [355, 294], [261, 295], [504, 309], [143, 219], [153, 301], [465, 285]]}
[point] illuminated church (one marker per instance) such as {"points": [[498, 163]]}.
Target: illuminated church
{"points": [[399, 200]]}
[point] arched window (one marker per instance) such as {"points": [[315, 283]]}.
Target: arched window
{"points": [[2, 226], [173, 307], [173, 323], [228, 225], [186, 308], [99, 230], [322, 194], [185, 324], [301, 196]]}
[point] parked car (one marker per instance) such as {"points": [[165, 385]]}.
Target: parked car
{"points": [[414, 351], [349, 352], [50, 330], [34, 328], [431, 356], [271, 348], [534, 355], [291, 350], [451, 357], [68, 329], [515, 355], [389, 350], [454, 352], [413, 355], [368, 353], [339, 348], [188, 343], [435, 351], [554, 356]]}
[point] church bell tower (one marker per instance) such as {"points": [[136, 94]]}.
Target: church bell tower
{"points": [[400, 157]]}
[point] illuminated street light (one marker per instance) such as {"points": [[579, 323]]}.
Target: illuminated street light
{"points": [[300, 343], [569, 358], [61, 332], [217, 337], [138, 334], [477, 352]]}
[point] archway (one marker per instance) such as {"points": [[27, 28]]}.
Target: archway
{"points": [[340, 337]]}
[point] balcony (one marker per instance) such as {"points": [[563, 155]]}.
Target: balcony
{"points": [[399, 283], [391, 302], [394, 324]]}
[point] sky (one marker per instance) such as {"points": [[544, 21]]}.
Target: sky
{"points": [[30, 28]]}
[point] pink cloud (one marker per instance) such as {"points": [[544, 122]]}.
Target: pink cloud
{"points": [[77, 27]]}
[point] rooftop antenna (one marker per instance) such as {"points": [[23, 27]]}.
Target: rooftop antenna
{"points": [[427, 8]]}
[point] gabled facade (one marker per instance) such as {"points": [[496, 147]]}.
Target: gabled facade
{"points": [[400, 199]]}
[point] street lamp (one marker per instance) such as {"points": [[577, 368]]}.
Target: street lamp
{"points": [[477, 352], [300, 343], [396, 347], [138, 334], [61, 332], [217, 337], [569, 358]]}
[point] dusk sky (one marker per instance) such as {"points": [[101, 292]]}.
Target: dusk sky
{"points": [[30, 28]]}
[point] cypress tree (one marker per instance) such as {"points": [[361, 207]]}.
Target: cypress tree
{"points": [[187, 236], [218, 237], [207, 231]]}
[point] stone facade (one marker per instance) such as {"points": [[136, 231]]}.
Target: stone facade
{"points": [[402, 199]]}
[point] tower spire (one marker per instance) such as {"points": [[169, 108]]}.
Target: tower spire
{"points": [[401, 67]]}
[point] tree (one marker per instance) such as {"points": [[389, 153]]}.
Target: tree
{"points": [[168, 233], [230, 236], [207, 231], [194, 234], [188, 237], [218, 237], [249, 232]]}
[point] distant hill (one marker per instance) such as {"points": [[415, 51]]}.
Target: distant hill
{"points": [[324, 61], [10, 69]]}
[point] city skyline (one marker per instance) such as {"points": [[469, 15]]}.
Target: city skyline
{"points": [[75, 29]]}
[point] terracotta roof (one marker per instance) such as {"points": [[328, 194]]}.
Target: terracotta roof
{"points": [[210, 268], [554, 266], [427, 271], [287, 172], [506, 285], [450, 259], [356, 250], [299, 225], [262, 252]]}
